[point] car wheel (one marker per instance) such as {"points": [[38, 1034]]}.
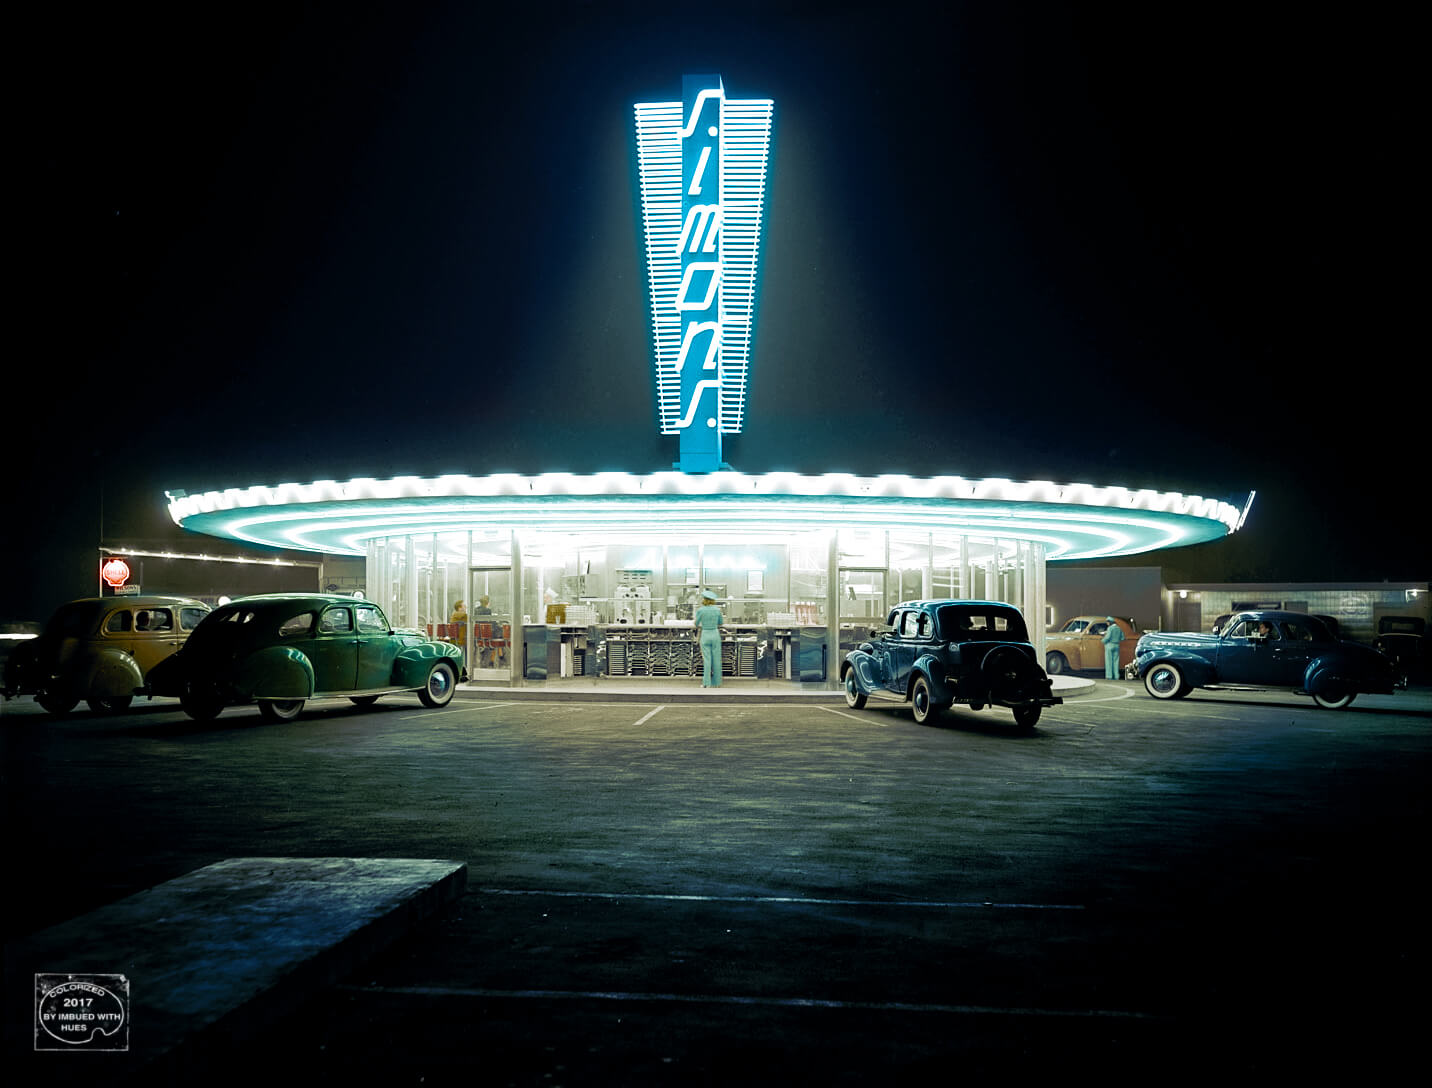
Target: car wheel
{"points": [[1026, 716], [58, 705], [280, 710], [442, 683], [1055, 664], [202, 708], [921, 701], [854, 697], [1335, 699], [363, 700], [1165, 681], [110, 706]]}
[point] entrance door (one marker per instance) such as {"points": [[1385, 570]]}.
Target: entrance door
{"points": [[489, 628], [862, 595]]}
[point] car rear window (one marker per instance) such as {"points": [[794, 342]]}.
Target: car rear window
{"points": [[189, 618], [154, 619], [963, 623], [119, 622], [296, 626]]}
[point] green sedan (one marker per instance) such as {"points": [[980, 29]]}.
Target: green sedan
{"points": [[283, 649]]}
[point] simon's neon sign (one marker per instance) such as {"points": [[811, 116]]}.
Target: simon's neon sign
{"points": [[702, 165]]}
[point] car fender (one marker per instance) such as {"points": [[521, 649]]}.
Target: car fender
{"points": [[1196, 670], [412, 665], [1072, 650], [108, 674], [933, 669], [1332, 673], [275, 672], [868, 674]]}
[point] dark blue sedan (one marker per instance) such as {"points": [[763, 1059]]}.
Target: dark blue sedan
{"points": [[1262, 650]]}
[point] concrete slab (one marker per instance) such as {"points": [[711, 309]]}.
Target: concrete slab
{"points": [[215, 955]]}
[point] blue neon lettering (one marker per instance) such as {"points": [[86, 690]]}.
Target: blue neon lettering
{"points": [[693, 330], [702, 219]]}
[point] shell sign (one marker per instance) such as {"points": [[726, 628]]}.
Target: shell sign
{"points": [[115, 572]]}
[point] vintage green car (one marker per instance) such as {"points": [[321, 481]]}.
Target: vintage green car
{"points": [[100, 649], [283, 649]]}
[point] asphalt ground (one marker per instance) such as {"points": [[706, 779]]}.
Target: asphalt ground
{"points": [[760, 893]]}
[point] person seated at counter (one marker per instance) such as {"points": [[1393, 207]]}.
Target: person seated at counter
{"points": [[457, 632]]}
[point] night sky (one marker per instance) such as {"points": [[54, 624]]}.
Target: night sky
{"points": [[1170, 249]]}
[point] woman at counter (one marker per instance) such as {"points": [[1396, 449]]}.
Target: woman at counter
{"points": [[708, 621]]}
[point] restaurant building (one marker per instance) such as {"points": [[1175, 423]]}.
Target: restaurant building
{"points": [[599, 574], [580, 575]]}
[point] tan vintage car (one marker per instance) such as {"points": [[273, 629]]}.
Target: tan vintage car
{"points": [[100, 649], [1079, 644]]}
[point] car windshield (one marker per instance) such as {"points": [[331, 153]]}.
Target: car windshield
{"points": [[966, 622], [1073, 627]]}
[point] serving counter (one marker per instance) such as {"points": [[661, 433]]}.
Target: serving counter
{"points": [[755, 651]]}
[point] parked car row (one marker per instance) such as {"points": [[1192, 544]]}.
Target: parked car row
{"points": [[276, 650], [280, 650]]}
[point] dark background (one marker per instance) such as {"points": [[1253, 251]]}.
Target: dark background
{"points": [[1158, 249]]}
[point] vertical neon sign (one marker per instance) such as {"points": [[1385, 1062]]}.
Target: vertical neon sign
{"points": [[702, 165]]}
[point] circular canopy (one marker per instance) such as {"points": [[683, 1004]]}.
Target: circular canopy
{"points": [[1071, 521]]}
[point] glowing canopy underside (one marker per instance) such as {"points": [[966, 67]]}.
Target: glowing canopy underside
{"points": [[1072, 521]]}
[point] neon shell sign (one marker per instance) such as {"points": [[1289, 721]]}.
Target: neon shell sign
{"points": [[115, 572], [702, 166]]}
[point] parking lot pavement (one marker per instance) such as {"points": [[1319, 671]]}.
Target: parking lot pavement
{"points": [[697, 893]]}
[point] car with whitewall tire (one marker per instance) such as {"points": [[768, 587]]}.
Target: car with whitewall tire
{"points": [[1260, 651], [280, 650]]}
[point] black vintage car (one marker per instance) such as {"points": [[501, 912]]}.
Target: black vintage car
{"points": [[937, 653], [1261, 650]]}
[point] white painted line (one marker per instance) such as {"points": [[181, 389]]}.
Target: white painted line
{"points": [[800, 900], [863, 719], [650, 714], [451, 710], [745, 999]]}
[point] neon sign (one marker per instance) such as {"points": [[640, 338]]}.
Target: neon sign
{"points": [[115, 572], [702, 165]]}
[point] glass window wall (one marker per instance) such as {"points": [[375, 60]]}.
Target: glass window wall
{"points": [[435, 582]]}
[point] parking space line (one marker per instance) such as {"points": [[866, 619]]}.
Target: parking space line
{"points": [[748, 999], [798, 900], [452, 710], [864, 719], [650, 714]]}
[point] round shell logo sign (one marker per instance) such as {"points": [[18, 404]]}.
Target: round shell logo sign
{"points": [[81, 1012], [115, 572]]}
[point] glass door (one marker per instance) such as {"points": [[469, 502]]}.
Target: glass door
{"points": [[489, 629], [862, 595]]}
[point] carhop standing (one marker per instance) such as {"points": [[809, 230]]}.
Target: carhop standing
{"points": [[1113, 635], [708, 625]]}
